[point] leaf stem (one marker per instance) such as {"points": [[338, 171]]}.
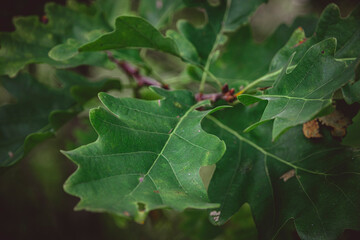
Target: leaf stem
{"points": [[134, 73], [265, 77], [213, 50]]}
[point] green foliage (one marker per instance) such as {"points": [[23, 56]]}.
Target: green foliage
{"points": [[235, 64], [291, 101], [346, 31], [277, 179], [153, 151], [132, 32], [40, 110], [192, 147]]}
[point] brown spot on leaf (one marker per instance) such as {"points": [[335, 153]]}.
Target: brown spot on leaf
{"points": [[126, 213], [286, 176], [337, 121], [311, 129], [156, 191], [300, 42], [11, 154]]}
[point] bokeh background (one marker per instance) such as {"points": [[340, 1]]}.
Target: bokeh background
{"points": [[33, 204]]}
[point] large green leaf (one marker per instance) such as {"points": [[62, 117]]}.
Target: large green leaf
{"points": [[147, 156], [57, 42], [345, 30], [300, 95], [136, 32], [40, 110], [313, 183], [132, 32]]}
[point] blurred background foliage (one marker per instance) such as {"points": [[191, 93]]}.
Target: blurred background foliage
{"points": [[33, 204]]}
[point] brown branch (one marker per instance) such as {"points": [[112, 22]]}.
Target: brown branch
{"points": [[226, 94], [134, 73]]}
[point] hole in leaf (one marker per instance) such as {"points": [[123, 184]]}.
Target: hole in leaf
{"points": [[141, 207]]}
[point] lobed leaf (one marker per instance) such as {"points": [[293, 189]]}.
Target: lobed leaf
{"points": [[300, 95], [243, 59], [132, 32], [147, 156], [330, 25], [315, 184]]}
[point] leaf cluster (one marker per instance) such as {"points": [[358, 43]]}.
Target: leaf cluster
{"points": [[152, 148]]}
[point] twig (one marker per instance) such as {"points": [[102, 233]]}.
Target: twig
{"points": [[134, 73], [226, 94]]}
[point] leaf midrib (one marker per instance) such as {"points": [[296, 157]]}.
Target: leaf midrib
{"points": [[163, 149], [263, 151]]}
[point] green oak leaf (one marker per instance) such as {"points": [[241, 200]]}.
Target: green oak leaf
{"points": [[205, 38], [235, 65], [315, 184], [134, 32], [222, 16], [40, 110], [300, 95], [193, 44], [158, 12], [147, 156], [57, 42], [330, 25]]}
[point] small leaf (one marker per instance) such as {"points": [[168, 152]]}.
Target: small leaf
{"points": [[300, 95], [148, 154]]}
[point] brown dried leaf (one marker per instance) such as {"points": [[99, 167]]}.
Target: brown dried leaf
{"points": [[337, 121], [311, 129], [286, 176]]}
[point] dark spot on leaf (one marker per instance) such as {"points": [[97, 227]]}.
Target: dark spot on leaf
{"points": [[141, 207], [156, 191]]}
